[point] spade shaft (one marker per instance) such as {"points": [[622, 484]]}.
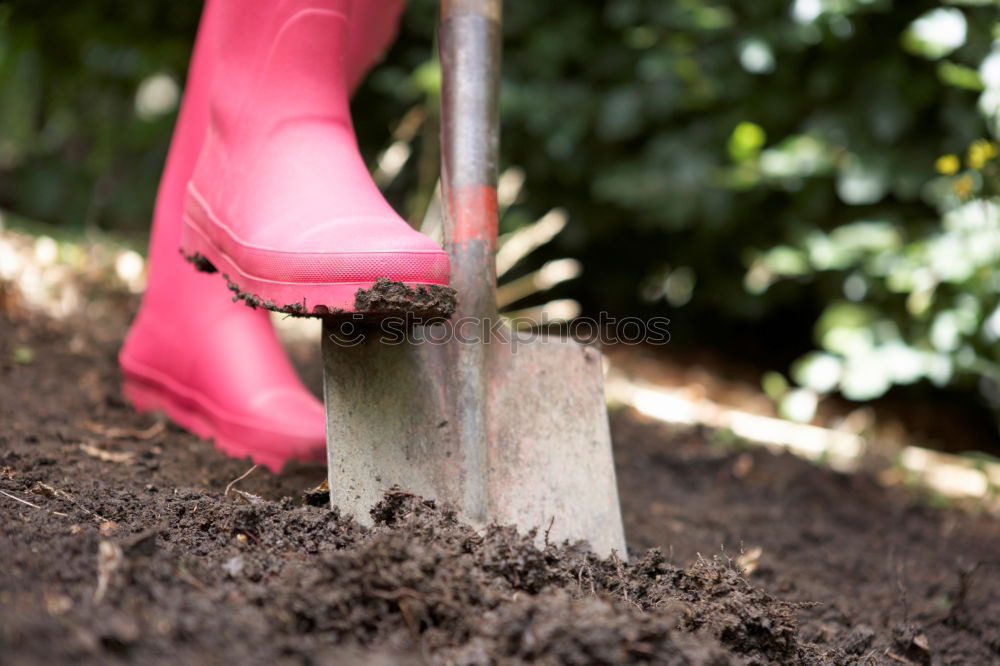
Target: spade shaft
{"points": [[469, 48]]}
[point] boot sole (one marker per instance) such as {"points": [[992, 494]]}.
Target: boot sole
{"points": [[366, 300], [232, 435]]}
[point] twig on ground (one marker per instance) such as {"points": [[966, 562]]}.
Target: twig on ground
{"points": [[895, 570], [46, 490], [18, 499], [965, 576], [109, 559], [622, 581], [125, 433], [189, 578], [245, 497], [902, 593], [33, 506], [119, 457]]}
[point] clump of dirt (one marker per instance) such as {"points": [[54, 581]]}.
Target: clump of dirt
{"points": [[397, 299], [199, 261]]}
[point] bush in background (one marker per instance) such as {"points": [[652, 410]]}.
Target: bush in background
{"points": [[815, 164]]}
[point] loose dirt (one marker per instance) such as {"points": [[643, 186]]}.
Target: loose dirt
{"points": [[397, 299], [119, 544]]}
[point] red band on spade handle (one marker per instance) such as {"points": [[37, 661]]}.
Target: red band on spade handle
{"points": [[474, 215]]}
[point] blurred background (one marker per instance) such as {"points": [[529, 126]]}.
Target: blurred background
{"points": [[807, 189]]}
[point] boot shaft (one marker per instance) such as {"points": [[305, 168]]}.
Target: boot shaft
{"points": [[279, 61]]}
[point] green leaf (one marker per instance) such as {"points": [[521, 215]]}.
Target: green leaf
{"points": [[23, 355]]}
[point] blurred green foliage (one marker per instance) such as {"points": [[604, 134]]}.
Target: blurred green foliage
{"points": [[73, 149], [830, 161]]}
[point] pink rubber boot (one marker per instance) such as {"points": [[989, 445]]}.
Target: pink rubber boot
{"points": [[373, 27], [281, 202], [216, 368]]}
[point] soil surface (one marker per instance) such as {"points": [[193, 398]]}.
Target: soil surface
{"points": [[119, 543]]}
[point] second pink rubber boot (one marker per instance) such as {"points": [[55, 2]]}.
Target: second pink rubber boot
{"points": [[214, 367], [281, 202], [372, 29]]}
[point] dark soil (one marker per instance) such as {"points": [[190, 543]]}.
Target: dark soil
{"points": [[119, 543], [395, 298]]}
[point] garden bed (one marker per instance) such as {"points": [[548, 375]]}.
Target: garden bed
{"points": [[119, 543]]}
